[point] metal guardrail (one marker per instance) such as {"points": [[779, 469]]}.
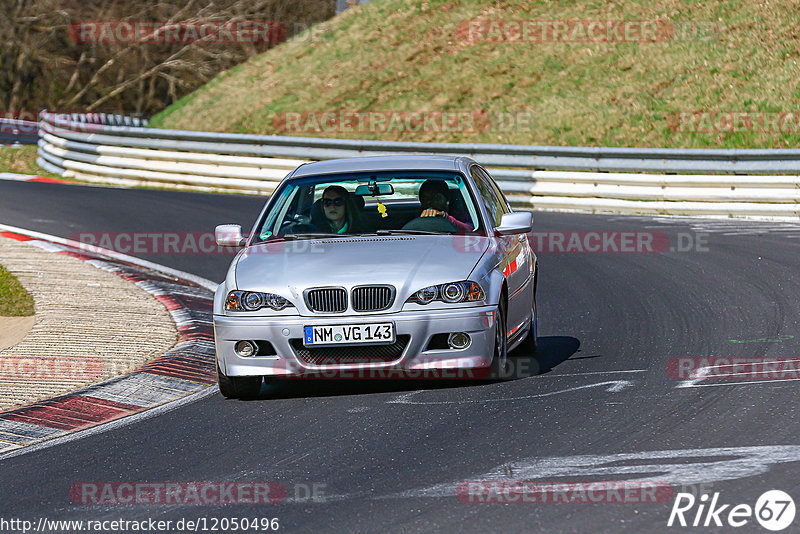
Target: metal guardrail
{"points": [[735, 161], [733, 182], [18, 132], [22, 132], [97, 118]]}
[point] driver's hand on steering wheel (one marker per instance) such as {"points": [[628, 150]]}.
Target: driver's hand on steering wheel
{"points": [[430, 212]]}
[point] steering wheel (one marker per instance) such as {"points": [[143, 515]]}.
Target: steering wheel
{"points": [[295, 220], [431, 224]]}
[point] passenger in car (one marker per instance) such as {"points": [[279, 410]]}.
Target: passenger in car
{"points": [[336, 212], [435, 199]]}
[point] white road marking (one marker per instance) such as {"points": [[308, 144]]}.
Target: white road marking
{"points": [[551, 375], [614, 386], [704, 373], [722, 226], [16, 177], [698, 466], [771, 381], [699, 376], [718, 466]]}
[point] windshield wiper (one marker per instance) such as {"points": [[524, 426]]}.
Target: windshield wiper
{"points": [[312, 235], [412, 232]]}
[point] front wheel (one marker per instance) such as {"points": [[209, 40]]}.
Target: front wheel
{"points": [[530, 343], [500, 368], [238, 387]]}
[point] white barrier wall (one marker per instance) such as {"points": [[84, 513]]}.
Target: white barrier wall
{"points": [[254, 164]]}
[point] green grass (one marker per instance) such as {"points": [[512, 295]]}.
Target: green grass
{"points": [[22, 160], [15, 301], [406, 55]]}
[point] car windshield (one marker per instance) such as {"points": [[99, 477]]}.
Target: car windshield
{"points": [[413, 202]]}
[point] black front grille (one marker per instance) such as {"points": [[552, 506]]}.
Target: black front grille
{"points": [[372, 298], [327, 300], [265, 348], [353, 354]]}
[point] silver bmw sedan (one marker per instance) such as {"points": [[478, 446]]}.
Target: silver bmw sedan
{"points": [[365, 267]]}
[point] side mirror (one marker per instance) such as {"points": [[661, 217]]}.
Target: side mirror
{"points": [[229, 235], [515, 223]]}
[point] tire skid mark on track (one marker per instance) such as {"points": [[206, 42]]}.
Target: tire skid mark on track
{"points": [[184, 371]]}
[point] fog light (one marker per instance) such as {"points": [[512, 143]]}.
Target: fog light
{"points": [[458, 340], [245, 349]]}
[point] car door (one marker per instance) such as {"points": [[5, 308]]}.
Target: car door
{"points": [[515, 250]]}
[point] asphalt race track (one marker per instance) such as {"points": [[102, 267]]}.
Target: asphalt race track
{"points": [[596, 403]]}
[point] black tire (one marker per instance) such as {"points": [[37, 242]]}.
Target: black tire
{"points": [[238, 387], [500, 366], [530, 343]]}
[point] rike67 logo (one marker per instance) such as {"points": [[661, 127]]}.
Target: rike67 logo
{"points": [[774, 510]]}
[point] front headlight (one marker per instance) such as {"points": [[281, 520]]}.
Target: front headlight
{"points": [[252, 301], [452, 293]]}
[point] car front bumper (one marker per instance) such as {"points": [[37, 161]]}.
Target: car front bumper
{"points": [[286, 334]]}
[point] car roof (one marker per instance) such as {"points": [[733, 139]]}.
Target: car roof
{"points": [[383, 163]]}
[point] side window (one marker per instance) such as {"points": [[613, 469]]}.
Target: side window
{"points": [[495, 205], [507, 206], [497, 191]]}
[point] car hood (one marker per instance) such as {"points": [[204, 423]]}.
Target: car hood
{"points": [[407, 262]]}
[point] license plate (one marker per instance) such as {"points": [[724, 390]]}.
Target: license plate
{"points": [[349, 334]]}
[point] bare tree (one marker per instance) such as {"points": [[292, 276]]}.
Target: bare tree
{"points": [[49, 57]]}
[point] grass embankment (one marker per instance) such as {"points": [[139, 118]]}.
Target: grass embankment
{"points": [[22, 160], [15, 301], [414, 55]]}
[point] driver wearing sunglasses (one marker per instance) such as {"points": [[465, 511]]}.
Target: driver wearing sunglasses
{"points": [[339, 213]]}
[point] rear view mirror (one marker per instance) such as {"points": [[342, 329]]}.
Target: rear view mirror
{"points": [[229, 235], [374, 190]]}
